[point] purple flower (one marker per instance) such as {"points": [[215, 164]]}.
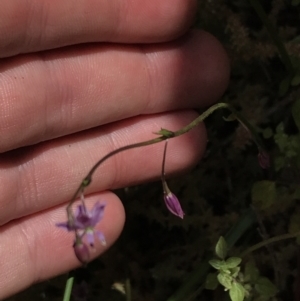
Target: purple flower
{"points": [[171, 200], [85, 221], [173, 204]]}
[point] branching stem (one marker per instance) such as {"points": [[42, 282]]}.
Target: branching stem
{"points": [[164, 135], [270, 241]]}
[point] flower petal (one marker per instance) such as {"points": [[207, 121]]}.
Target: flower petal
{"points": [[173, 204], [97, 214], [101, 237], [65, 226], [90, 237]]}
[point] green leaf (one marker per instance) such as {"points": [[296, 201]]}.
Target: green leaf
{"points": [[217, 264], [211, 282], [251, 273], [237, 292], [296, 113], [235, 272], [296, 80], [265, 287], [267, 133], [263, 194], [221, 248], [284, 87], [165, 133], [296, 194], [225, 279], [294, 225], [233, 262], [298, 240], [295, 2], [280, 162]]}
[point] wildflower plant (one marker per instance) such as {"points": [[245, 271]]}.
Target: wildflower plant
{"points": [[83, 222], [238, 275]]}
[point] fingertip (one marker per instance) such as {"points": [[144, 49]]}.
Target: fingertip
{"points": [[199, 77], [33, 249], [216, 64], [113, 219]]}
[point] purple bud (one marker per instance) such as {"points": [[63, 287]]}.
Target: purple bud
{"points": [[81, 251], [173, 204], [263, 159]]}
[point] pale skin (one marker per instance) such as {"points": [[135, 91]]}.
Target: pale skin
{"points": [[79, 79]]}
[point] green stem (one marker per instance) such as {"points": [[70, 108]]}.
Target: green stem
{"points": [[128, 289], [273, 33], [68, 288], [165, 134], [270, 241], [87, 180]]}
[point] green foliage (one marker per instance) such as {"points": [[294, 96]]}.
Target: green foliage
{"points": [[289, 145], [211, 282], [263, 194], [284, 86], [240, 285], [295, 81], [294, 225], [267, 133], [265, 288], [295, 2], [225, 279], [233, 262], [296, 113], [237, 292], [221, 248], [251, 272], [166, 133]]}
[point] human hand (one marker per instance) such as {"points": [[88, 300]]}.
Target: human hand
{"points": [[74, 86]]}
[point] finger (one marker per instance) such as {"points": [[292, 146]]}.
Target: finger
{"points": [[29, 26], [32, 249], [48, 174], [64, 92]]}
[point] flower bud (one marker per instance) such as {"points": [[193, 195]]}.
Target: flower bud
{"points": [[173, 204], [172, 201], [81, 251], [170, 198]]}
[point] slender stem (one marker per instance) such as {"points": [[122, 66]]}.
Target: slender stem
{"points": [[203, 116], [163, 179], [128, 289], [269, 241], [68, 288], [164, 160], [87, 180], [165, 134]]}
